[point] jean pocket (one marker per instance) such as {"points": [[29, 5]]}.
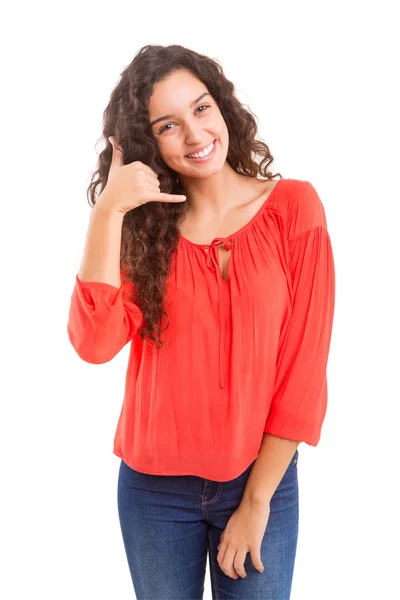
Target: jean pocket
{"points": [[295, 458], [291, 471], [287, 488]]}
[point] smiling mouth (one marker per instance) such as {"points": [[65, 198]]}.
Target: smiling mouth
{"points": [[213, 142]]}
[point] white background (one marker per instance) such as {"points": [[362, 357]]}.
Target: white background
{"points": [[321, 78]]}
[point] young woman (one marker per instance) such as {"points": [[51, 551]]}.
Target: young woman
{"points": [[222, 279]]}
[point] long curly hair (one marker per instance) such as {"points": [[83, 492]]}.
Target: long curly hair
{"points": [[150, 233]]}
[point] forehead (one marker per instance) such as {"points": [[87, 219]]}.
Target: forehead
{"points": [[174, 92]]}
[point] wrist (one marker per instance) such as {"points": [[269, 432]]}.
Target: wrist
{"points": [[104, 207], [257, 498], [255, 503]]}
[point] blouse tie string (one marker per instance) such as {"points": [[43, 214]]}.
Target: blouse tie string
{"points": [[212, 262]]}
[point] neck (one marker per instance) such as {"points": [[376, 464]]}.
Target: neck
{"points": [[214, 195]]}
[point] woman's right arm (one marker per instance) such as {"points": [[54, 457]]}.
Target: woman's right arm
{"points": [[102, 317], [101, 258]]}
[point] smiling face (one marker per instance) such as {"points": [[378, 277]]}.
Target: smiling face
{"points": [[185, 118]]}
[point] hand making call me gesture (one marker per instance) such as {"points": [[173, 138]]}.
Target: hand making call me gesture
{"points": [[129, 186], [132, 185]]}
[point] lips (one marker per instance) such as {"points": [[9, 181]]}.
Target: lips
{"points": [[200, 149]]}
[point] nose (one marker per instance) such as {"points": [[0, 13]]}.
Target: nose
{"points": [[193, 133], [194, 139]]}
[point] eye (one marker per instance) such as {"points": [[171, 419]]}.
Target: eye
{"points": [[201, 106]]}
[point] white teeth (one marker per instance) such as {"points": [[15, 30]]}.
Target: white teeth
{"points": [[205, 152]]}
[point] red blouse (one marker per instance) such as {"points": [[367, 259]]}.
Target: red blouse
{"points": [[241, 357]]}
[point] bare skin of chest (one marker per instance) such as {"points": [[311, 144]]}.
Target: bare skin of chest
{"points": [[204, 233]]}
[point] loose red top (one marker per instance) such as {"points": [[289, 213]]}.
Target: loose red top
{"points": [[241, 357]]}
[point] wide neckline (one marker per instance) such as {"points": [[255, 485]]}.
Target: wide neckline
{"points": [[242, 229]]}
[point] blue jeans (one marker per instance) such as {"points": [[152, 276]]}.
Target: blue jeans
{"points": [[170, 523]]}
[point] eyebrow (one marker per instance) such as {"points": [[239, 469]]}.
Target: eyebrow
{"points": [[170, 116]]}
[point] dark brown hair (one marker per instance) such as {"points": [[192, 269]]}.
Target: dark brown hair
{"points": [[150, 234]]}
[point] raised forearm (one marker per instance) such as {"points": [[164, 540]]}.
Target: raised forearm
{"points": [[269, 468], [101, 258]]}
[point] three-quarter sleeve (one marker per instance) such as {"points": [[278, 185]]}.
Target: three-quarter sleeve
{"points": [[102, 319], [299, 400]]}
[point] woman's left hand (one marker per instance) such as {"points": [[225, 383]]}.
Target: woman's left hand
{"points": [[243, 533]]}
